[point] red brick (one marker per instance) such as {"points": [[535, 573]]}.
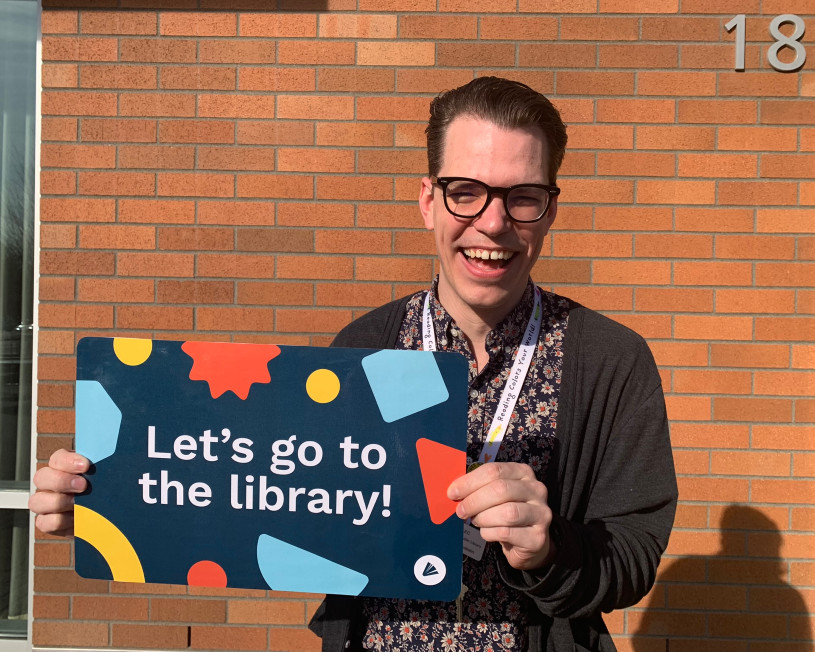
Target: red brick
{"points": [[116, 76], [636, 164], [794, 220], [598, 28], [196, 184], [355, 79], [316, 52], [803, 356], [230, 319], [78, 48], [78, 103], [311, 321], [235, 51], [718, 165], [785, 328], [52, 607], [355, 134], [59, 22], [754, 247], [699, 273], [757, 138], [72, 316], [276, 79], [235, 213], [557, 55], [160, 104], [632, 218], [276, 293], [635, 110], [358, 26], [601, 137], [340, 241], [695, 381], [287, 186], [717, 111], [648, 245], [597, 190], [62, 129], [787, 166], [154, 318], [785, 274], [275, 133], [784, 383], [757, 84], [755, 301], [315, 267], [56, 633], [762, 410], [392, 108], [235, 266], [582, 82], [278, 25], [196, 131], [391, 161], [695, 327], [787, 112], [680, 83], [316, 160], [150, 636], [235, 106], [115, 290], [714, 219], [120, 23], [276, 239], [60, 75], [80, 263], [675, 138], [197, 78], [195, 239], [158, 264], [233, 638], [109, 608], [315, 107], [56, 289], [674, 300], [680, 29], [591, 245], [638, 56], [354, 187], [686, 354], [195, 292], [119, 130], [749, 355], [308, 214], [163, 50], [156, 211], [368, 295], [265, 612], [198, 24], [187, 610], [600, 298], [53, 182], [57, 236], [68, 209], [117, 236]]}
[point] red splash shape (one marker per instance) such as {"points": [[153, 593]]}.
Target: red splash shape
{"points": [[206, 573], [440, 465], [227, 366]]}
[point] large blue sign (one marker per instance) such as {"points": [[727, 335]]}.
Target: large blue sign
{"points": [[273, 467]]}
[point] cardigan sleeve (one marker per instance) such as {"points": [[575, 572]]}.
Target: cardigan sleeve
{"points": [[614, 494]]}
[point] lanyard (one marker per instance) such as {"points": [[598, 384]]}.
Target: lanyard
{"points": [[515, 380]]}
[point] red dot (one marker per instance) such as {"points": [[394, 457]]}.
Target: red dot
{"points": [[206, 573]]}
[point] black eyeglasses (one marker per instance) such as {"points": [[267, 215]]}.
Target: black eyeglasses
{"points": [[527, 202]]}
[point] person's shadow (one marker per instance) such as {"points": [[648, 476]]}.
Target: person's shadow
{"points": [[739, 599]]}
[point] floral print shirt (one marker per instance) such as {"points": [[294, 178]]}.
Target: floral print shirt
{"points": [[494, 616]]}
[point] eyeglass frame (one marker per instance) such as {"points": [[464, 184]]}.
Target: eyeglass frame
{"points": [[443, 182]]}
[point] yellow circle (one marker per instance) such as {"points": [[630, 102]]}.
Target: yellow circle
{"points": [[323, 386], [131, 351]]}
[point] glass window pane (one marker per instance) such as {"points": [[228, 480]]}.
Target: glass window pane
{"points": [[13, 573], [18, 55]]}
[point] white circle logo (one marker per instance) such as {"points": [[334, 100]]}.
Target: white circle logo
{"points": [[429, 570]]}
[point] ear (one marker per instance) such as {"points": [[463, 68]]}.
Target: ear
{"points": [[426, 202]]}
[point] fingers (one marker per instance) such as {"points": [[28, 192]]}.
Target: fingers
{"points": [[56, 486], [61, 525], [69, 462], [51, 480], [54, 512], [496, 484]]}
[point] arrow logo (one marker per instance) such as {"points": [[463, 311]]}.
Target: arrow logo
{"points": [[430, 569]]}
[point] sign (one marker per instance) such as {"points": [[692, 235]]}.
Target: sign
{"points": [[273, 467]]}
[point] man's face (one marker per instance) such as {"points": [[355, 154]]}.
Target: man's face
{"points": [[469, 284]]}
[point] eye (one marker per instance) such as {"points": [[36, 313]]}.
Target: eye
{"points": [[462, 192]]}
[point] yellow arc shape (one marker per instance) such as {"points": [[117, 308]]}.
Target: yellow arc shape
{"points": [[110, 543], [322, 386], [132, 351]]}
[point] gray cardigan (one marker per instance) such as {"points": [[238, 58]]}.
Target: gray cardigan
{"points": [[612, 485]]}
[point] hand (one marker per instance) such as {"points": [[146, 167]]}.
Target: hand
{"points": [[509, 504], [56, 485]]}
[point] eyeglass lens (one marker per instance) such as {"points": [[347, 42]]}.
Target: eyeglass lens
{"points": [[468, 198]]}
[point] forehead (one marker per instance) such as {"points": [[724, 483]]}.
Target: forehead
{"points": [[478, 148]]}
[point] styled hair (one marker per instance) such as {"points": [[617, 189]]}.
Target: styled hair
{"points": [[505, 103]]}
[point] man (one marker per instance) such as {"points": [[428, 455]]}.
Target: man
{"points": [[577, 501]]}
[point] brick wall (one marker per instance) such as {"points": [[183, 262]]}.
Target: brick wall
{"points": [[233, 171]]}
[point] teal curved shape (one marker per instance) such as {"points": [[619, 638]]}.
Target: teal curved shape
{"points": [[288, 568], [98, 420]]}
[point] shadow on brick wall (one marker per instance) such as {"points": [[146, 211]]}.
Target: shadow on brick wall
{"points": [[738, 600], [193, 5]]}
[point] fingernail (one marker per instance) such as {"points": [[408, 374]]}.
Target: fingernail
{"points": [[79, 464], [453, 494], [77, 483]]}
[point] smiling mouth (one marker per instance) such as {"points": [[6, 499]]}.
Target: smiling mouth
{"points": [[494, 259]]}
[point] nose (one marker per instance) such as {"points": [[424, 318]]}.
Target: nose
{"points": [[494, 219]]}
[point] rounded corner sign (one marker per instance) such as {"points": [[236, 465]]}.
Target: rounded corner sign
{"points": [[319, 470]]}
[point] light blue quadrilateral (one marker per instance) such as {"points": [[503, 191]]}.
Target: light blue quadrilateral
{"points": [[288, 568], [97, 421], [404, 382]]}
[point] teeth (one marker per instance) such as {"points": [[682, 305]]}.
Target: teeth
{"points": [[485, 254]]}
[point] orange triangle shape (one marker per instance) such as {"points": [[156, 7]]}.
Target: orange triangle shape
{"points": [[440, 465]]}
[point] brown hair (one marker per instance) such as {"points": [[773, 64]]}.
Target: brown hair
{"points": [[506, 103]]}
